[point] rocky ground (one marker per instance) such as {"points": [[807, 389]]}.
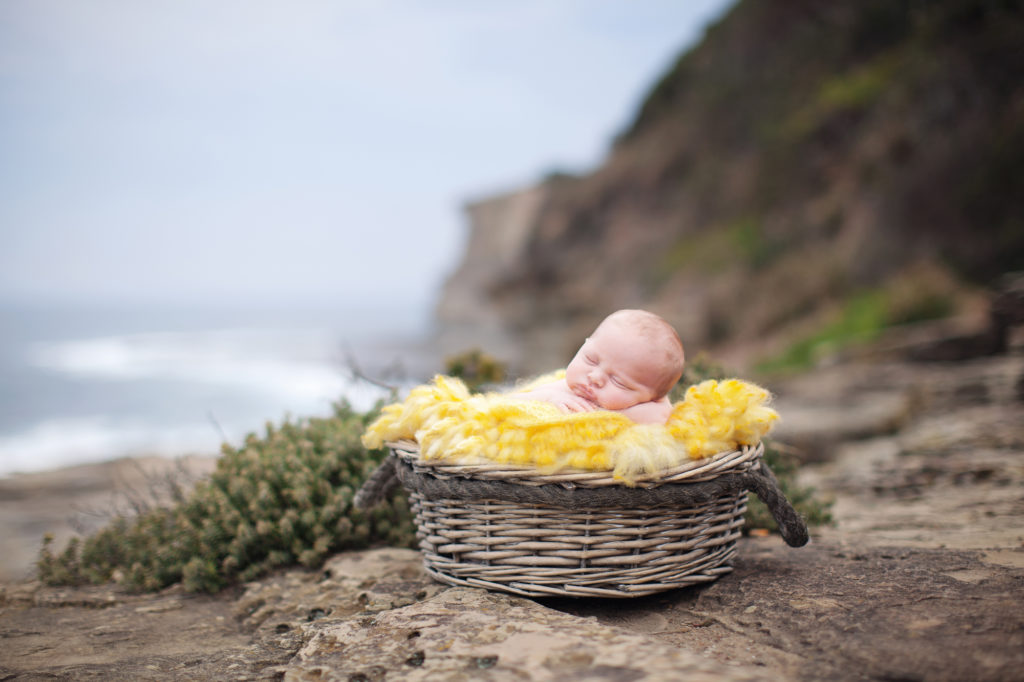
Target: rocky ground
{"points": [[921, 578]]}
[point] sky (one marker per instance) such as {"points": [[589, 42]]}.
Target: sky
{"points": [[233, 150]]}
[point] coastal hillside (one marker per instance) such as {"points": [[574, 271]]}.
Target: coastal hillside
{"points": [[804, 165]]}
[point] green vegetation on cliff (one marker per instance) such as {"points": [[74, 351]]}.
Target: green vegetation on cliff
{"points": [[914, 296], [915, 103]]}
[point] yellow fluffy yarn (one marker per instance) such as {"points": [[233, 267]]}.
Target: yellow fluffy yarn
{"points": [[450, 423]]}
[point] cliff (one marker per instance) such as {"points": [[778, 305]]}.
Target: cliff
{"points": [[500, 230], [800, 158]]}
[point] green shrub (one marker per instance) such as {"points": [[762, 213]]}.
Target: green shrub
{"points": [[277, 500], [476, 368]]}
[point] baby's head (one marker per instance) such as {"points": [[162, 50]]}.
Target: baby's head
{"points": [[632, 357]]}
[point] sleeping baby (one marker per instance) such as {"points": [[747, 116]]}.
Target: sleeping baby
{"points": [[628, 365]]}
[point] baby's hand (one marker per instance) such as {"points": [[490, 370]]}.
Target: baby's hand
{"points": [[560, 396], [573, 403], [654, 412]]}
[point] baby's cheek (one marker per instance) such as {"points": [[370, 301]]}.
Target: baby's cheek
{"points": [[625, 398]]}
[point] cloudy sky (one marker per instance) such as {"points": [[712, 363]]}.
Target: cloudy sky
{"points": [[225, 150]]}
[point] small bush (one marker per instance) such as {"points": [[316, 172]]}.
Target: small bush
{"points": [[476, 369], [280, 499]]}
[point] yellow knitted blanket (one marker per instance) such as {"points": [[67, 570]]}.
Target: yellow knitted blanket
{"points": [[450, 423]]}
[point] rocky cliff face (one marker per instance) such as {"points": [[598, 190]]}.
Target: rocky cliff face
{"points": [[800, 156], [500, 230]]}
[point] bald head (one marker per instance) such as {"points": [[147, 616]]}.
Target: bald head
{"points": [[657, 340]]}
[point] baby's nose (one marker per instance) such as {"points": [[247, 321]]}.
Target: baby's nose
{"points": [[596, 377]]}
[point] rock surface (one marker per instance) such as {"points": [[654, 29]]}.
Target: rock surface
{"points": [[921, 578], [468, 634]]}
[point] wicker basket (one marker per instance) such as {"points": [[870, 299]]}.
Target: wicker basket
{"points": [[580, 534]]}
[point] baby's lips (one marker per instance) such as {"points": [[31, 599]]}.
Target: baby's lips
{"points": [[584, 393]]}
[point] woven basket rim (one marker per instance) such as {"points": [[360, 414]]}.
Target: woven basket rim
{"points": [[731, 461]]}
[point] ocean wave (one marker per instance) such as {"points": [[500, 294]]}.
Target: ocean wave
{"points": [[62, 442], [254, 375], [303, 369]]}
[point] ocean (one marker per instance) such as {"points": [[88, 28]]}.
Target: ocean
{"points": [[86, 383]]}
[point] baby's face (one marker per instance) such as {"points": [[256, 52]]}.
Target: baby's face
{"points": [[612, 370]]}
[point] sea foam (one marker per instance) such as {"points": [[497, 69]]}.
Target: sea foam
{"points": [[272, 373]]}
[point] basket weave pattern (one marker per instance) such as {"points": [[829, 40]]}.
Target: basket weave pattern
{"points": [[537, 550], [577, 533], [581, 547]]}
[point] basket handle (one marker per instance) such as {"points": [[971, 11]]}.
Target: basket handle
{"points": [[760, 480], [379, 485]]}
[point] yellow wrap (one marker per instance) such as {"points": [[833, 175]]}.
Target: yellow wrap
{"points": [[450, 423]]}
